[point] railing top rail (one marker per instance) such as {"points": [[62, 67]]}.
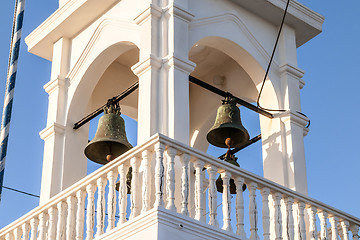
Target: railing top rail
{"points": [[260, 181], [195, 154], [91, 178]]}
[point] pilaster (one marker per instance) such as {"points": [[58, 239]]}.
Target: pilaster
{"points": [[163, 71], [53, 134], [283, 143]]}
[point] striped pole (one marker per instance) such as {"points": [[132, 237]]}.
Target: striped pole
{"points": [[10, 84]]}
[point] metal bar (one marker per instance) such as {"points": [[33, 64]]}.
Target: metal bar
{"points": [[98, 111], [250, 142], [227, 94], [10, 84]]}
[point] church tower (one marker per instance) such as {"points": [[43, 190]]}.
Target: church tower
{"points": [[100, 48]]}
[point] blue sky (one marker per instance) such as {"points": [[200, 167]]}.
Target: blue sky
{"points": [[329, 99]]}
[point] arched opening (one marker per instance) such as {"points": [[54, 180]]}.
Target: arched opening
{"points": [[108, 75], [225, 65]]}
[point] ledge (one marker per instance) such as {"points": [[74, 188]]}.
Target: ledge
{"points": [[306, 22], [67, 21]]}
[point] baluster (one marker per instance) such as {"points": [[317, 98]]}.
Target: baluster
{"points": [[90, 211], [226, 201], [301, 222], [100, 206], [134, 186], [265, 192], [52, 212], [185, 160], [146, 186], [253, 212], [80, 213], [345, 230], [9, 236], [60, 234], [239, 182], [290, 218], [70, 223], [199, 165], [323, 226], [277, 215], [42, 226], [123, 170], [111, 176], [212, 196], [312, 228], [170, 179], [26, 231], [334, 221], [159, 174], [34, 225], [17, 234], [355, 232], [340, 231]]}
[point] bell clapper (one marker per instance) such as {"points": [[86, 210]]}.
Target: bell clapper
{"points": [[110, 157]]}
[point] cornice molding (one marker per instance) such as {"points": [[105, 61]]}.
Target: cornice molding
{"points": [[294, 72], [51, 130], [55, 84], [296, 118], [67, 21], [144, 66], [180, 12], [145, 15], [306, 22], [183, 65]]}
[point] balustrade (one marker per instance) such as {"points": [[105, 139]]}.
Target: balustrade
{"points": [[65, 216]]}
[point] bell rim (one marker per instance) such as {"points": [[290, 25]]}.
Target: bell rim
{"points": [[103, 162], [209, 137]]}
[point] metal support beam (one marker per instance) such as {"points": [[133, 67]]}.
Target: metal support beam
{"points": [[228, 94], [98, 111]]}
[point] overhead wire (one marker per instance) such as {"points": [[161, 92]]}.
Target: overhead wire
{"points": [[269, 65]]}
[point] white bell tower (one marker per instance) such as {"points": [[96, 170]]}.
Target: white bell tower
{"points": [[99, 48]]}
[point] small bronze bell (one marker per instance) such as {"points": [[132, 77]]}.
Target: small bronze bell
{"points": [[110, 139], [128, 182], [219, 182], [228, 126]]}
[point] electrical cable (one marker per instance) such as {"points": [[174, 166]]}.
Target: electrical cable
{"points": [[268, 68], [271, 59], [26, 193]]}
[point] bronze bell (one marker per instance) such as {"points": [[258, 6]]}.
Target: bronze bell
{"points": [[228, 127], [219, 182], [110, 139], [128, 182]]}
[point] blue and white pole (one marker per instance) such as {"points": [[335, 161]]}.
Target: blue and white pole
{"points": [[10, 84]]}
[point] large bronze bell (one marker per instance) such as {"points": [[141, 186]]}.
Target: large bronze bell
{"points": [[228, 127], [219, 182], [110, 139]]}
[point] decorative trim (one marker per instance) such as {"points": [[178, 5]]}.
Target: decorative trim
{"points": [[41, 40], [55, 84], [287, 68], [50, 131], [294, 117], [142, 67], [232, 16], [94, 39], [145, 15], [183, 65], [179, 12], [294, 72]]}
